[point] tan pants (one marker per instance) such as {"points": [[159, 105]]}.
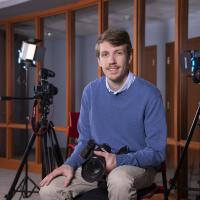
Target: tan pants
{"points": [[122, 182]]}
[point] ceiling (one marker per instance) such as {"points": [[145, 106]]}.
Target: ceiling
{"points": [[36, 5], [120, 12]]}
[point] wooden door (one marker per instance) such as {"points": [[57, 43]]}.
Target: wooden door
{"points": [[149, 69]]}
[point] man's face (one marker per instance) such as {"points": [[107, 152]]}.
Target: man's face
{"points": [[114, 61]]}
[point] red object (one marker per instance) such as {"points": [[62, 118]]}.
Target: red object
{"points": [[72, 132]]}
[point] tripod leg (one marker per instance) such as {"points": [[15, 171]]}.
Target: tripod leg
{"points": [[45, 164], [189, 137], [57, 152], [24, 158]]}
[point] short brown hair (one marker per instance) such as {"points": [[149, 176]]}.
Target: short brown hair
{"points": [[116, 37]]}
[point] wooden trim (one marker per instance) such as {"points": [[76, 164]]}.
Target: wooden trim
{"points": [[181, 31], [139, 35], [70, 56], [49, 12], [14, 164], [193, 144], [23, 126], [181, 23], [9, 89], [102, 23], [171, 141], [39, 32]]}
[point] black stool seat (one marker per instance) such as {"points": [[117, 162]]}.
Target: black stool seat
{"points": [[95, 194]]}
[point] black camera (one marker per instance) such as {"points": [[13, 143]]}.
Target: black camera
{"points": [[191, 64], [94, 168], [45, 92], [44, 89]]}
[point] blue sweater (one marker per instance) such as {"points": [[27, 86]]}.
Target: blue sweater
{"points": [[133, 118]]}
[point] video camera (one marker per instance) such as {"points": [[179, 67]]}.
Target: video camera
{"points": [[94, 168], [191, 64], [44, 89]]}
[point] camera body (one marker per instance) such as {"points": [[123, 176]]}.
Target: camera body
{"points": [[191, 64], [94, 168], [45, 90]]}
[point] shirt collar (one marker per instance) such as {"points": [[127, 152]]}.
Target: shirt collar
{"points": [[130, 79]]}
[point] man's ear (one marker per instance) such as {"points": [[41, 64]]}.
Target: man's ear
{"points": [[130, 59], [99, 62]]}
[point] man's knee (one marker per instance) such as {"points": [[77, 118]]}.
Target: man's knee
{"points": [[49, 192], [119, 179], [46, 192]]}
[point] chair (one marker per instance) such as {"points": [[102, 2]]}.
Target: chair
{"points": [[142, 194], [102, 194], [147, 193], [72, 132]]}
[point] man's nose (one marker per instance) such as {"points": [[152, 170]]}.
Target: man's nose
{"points": [[112, 58]]}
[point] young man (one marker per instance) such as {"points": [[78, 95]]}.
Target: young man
{"points": [[120, 110]]}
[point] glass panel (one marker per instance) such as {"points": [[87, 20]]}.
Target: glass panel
{"points": [[55, 60], [193, 89], [159, 42], [62, 142], [86, 35], [193, 97], [3, 72], [23, 77], [193, 19], [193, 173], [120, 15], [2, 142], [159, 30], [21, 138]]}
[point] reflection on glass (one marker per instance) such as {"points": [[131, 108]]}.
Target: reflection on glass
{"points": [[86, 27], [2, 72], [159, 29], [2, 142], [55, 59], [193, 173], [20, 142], [62, 141], [23, 78], [194, 19], [120, 15]]}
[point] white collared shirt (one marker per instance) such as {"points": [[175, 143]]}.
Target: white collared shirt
{"points": [[130, 79]]}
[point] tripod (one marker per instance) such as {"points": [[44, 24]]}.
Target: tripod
{"points": [[51, 154], [183, 154]]}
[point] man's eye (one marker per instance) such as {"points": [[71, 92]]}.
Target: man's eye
{"points": [[119, 52], [104, 55]]}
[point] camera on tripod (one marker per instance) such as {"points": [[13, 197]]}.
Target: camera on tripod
{"points": [[44, 89], [191, 64], [94, 168]]}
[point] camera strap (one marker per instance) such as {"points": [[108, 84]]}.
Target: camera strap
{"points": [[34, 123], [123, 150]]}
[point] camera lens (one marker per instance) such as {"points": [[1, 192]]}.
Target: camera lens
{"points": [[94, 169]]}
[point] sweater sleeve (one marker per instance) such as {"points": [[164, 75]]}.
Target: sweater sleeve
{"points": [[75, 160], [155, 137]]}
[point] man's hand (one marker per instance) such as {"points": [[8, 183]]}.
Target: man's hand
{"points": [[110, 159], [64, 170]]}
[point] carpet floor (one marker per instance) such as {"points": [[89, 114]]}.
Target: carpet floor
{"points": [[7, 178]]}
